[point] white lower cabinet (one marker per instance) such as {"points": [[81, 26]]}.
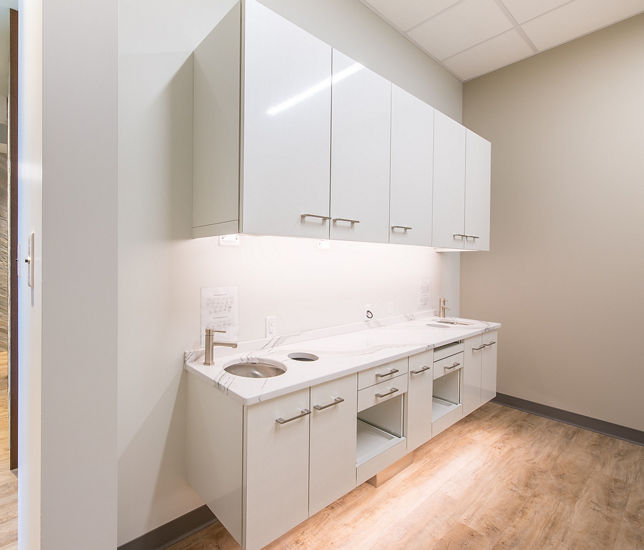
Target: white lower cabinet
{"points": [[264, 468], [332, 467], [277, 467], [419, 400], [488, 366], [479, 372], [472, 374]]}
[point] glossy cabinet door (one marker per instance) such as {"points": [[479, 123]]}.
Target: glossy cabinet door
{"points": [[477, 192], [488, 378], [332, 470], [449, 183], [471, 392], [419, 400], [359, 152], [412, 165], [286, 127], [277, 467]]}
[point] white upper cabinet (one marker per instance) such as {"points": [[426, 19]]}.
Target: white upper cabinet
{"points": [[293, 138], [449, 183], [412, 164], [283, 139], [287, 108], [360, 137], [478, 153], [461, 202]]}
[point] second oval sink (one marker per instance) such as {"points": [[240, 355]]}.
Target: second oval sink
{"points": [[260, 369]]}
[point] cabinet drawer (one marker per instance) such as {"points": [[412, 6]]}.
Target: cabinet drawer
{"points": [[448, 349], [421, 361], [368, 397], [382, 373], [448, 364]]}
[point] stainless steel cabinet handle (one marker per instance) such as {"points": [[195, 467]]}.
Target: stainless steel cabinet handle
{"points": [[285, 420], [479, 348], [348, 220], [419, 371], [381, 374], [303, 216], [452, 366], [334, 402], [490, 344], [403, 227], [392, 390], [458, 235]]}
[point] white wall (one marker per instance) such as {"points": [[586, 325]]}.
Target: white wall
{"points": [[30, 301], [161, 269], [566, 269], [67, 323]]}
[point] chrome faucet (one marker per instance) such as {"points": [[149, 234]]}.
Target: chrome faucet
{"points": [[209, 357], [442, 308]]}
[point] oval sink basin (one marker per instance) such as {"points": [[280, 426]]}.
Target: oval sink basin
{"points": [[260, 369]]}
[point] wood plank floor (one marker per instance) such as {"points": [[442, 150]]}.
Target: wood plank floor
{"points": [[8, 479], [498, 479]]}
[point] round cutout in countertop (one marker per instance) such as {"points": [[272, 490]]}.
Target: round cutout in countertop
{"points": [[302, 356]]}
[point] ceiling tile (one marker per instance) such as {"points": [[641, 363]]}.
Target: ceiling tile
{"points": [[578, 18], [459, 27], [522, 10], [406, 14], [489, 56]]}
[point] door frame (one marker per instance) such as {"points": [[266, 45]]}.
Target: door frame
{"points": [[13, 240]]}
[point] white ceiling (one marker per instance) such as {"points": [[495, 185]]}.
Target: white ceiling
{"points": [[473, 37]]}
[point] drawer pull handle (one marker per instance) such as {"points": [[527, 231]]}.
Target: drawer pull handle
{"points": [[286, 420], [421, 370], [381, 374], [479, 348], [452, 366], [490, 344], [455, 235], [334, 402], [348, 220], [405, 228], [304, 216], [391, 391]]}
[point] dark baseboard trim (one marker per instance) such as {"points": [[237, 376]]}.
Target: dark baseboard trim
{"points": [[600, 426], [173, 531]]}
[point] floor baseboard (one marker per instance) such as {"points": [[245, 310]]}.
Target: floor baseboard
{"points": [[173, 531], [594, 424]]}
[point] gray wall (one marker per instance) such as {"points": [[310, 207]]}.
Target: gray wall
{"points": [[565, 274], [161, 269]]}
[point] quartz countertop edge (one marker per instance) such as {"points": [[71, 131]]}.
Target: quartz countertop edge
{"points": [[339, 355]]}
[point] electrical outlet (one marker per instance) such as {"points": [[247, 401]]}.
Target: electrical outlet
{"points": [[271, 326], [369, 312]]}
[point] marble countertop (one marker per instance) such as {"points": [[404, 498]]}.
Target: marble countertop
{"points": [[341, 351]]}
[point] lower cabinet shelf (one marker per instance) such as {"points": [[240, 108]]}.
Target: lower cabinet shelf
{"points": [[440, 408], [376, 449], [372, 441]]}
